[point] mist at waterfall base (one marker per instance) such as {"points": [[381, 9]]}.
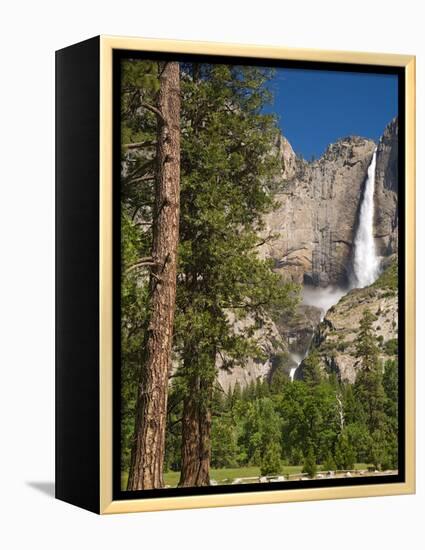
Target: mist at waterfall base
{"points": [[365, 265], [322, 298]]}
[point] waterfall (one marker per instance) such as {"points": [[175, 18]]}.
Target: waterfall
{"points": [[297, 358], [365, 268]]}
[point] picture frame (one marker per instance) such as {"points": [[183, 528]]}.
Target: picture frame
{"points": [[88, 240]]}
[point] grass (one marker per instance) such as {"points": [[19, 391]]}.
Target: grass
{"points": [[227, 475]]}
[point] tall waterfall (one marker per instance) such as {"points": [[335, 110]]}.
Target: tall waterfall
{"points": [[365, 261]]}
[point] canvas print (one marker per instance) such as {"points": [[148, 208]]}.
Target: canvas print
{"points": [[259, 260]]}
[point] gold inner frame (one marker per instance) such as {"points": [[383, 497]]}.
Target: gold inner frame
{"points": [[107, 504]]}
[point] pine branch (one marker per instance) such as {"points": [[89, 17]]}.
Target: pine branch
{"points": [[153, 109], [141, 179], [270, 237], [143, 262], [139, 145], [136, 211]]}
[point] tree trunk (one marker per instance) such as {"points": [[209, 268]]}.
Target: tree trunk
{"points": [[196, 435], [147, 457], [204, 461], [190, 436]]}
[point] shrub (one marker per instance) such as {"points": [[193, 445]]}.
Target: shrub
{"points": [[270, 464], [388, 280], [329, 463], [391, 347], [310, 466]]}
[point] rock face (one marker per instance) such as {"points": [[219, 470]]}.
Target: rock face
{"points": [[318, 209], [298, 331], [269, 340], [386, 192], [251, 372], [335, 336], [314, 227], [317, 214]]}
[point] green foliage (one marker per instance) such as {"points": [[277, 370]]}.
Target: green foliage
{"points": [[366, 345], [391, 347], [234, 394], [344, 453], [134, 297], [227, 173], [260, 428], [369, 392], [390, 383], [312, 374], [310, 466], [279, 376], [376, 393], [310, 416], [271, 463], [360, 440], [388, 279], [342, 346], [141, 75], [353, 409], [224, 450], [255, 426], [281, 361], [298, 422], [329, 463]]}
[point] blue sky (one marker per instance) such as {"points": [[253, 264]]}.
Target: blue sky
{"points": [[315, 108]]}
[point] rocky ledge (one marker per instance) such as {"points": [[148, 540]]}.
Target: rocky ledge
{"points": [[336, 334]]}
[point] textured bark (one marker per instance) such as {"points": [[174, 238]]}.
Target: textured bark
{"points": [[147, 457], [190, 437], [196, 435]]}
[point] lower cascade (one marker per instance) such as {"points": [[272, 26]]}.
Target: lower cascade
{"points": [[365, 268], [298, 358]]}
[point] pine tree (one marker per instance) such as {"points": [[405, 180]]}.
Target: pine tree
{"points": [[366, 343], [270, 462], [311, 370], [310, 466], [345, 457], [260, 429], [228, 168], [138, 129], [390, 383], [147, 457], [329, 463], [368, 388], [237, 393], [224, 442], [380, 449]]}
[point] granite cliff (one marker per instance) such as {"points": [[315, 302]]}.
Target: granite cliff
{"points": [[318, 208], [386, 192], [314, 227]]}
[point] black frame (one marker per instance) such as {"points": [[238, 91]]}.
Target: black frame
{"points": [[77, 458], [118, 493]]}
